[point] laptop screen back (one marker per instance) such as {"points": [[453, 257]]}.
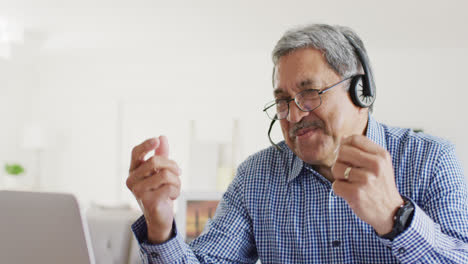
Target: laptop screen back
{"points": [[42, 228]]}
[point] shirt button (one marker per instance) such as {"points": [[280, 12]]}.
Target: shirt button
{"points": [[154, 254], [402, 250], [336, 243]]}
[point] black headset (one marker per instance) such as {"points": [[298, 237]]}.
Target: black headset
{"points": [[361, 88]]}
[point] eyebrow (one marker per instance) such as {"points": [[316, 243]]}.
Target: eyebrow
{"points": [[302, 85]]}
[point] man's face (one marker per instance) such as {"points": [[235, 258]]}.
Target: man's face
{"points": [[314, 136]]}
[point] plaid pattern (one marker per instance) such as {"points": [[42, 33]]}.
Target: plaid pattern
{"points": [[279, 210]]}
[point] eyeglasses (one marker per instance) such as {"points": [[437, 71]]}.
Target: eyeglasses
{"points": [[307, 101]]}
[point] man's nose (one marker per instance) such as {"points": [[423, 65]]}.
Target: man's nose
{"points": [[295, 114]]}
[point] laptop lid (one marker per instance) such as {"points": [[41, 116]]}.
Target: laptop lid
{"points": [[42, 228]]}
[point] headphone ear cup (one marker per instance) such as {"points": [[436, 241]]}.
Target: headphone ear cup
{"points": [[354, 91], [358, 91]]}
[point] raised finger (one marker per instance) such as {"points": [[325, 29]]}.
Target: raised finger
{"points": [[363, 143], [355, 157], [150, 167], [163, 178], [154, 164], [156, 181], [163, 148], [139, 152]]}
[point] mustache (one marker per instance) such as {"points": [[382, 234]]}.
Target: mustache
{"points": [[305, 124]]}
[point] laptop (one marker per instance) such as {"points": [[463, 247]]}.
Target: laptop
{"points": [[43, 228]]}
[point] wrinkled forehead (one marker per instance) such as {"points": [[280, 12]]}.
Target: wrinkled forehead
{"points": [[301, 69], [292, 87], [290, 81]]}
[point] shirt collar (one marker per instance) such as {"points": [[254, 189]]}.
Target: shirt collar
{"points": [[297, 165], [374, 132]]}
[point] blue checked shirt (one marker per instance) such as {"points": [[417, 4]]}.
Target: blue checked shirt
{"points": [[280, 210]]}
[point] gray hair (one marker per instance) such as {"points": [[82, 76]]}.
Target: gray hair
{"points": [[339, 53]]}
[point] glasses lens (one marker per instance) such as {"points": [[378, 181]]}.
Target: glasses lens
{"points": [[308, 100], [270, 110], [281, 109], [276, 109]]}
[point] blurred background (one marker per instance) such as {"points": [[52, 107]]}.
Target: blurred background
{"points": [[82, 82]]}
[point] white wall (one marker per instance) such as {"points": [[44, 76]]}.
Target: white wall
{"points": [[84, 61]]}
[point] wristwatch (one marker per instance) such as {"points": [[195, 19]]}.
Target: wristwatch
{"points": [[401, 219]]}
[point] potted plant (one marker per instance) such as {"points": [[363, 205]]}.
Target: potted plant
{"points": [[14, 173]]}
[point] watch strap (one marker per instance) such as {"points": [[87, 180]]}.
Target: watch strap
{"points": [[401, 220]]}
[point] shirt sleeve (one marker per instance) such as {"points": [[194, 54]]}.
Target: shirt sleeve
{"points": [[438, 232], [172, 251], [227, 238]]}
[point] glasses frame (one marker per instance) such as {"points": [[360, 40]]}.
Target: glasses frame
{"points": [[288, 101]]}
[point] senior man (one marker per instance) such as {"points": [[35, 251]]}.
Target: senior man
{"points": [[340, 188]]}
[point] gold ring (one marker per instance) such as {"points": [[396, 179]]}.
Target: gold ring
{"points": [[346, 173]]}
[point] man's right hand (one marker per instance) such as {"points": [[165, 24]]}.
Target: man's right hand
{"points": [[155, 184]]}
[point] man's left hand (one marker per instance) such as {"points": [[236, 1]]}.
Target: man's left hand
{"points": [[369, 187]]}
